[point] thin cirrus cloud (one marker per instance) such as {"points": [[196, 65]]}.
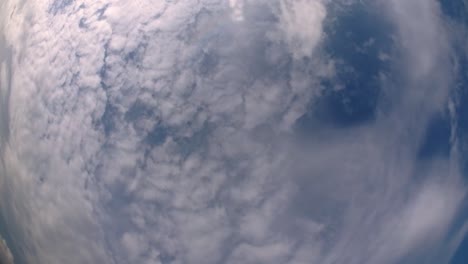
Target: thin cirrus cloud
{"points": [[173, 140]]}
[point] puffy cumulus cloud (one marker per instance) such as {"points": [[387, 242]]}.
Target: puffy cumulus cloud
{"points": [[301, 24], [237, 7], [143, 136], [164, 132]]}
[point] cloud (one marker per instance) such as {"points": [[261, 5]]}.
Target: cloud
{"points": [[301, 25], [5, 254], [237, 9], [173, 140]]}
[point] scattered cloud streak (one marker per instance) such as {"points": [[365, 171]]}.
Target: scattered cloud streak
{"points": [[5, 255]]}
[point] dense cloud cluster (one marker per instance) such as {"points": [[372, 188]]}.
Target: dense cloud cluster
{"points": [[168, 132]]}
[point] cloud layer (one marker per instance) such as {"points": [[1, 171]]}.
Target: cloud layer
{"points": [[167, 132]]}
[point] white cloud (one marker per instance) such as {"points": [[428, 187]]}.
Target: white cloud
{"points": [[237, 7], [429, 214], [301, 23], [5, 253], [170, 139], [425, 42]]}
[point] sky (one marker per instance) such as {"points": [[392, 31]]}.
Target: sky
{"points": [[232, 131]]}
